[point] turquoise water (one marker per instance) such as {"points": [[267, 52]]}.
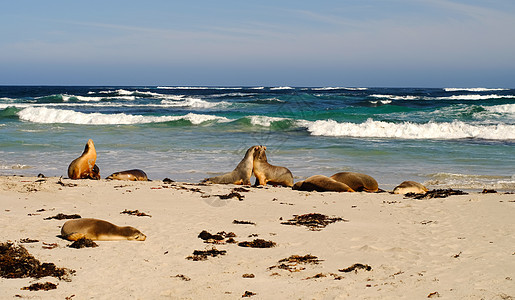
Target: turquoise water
{"points": [[461, 138]]}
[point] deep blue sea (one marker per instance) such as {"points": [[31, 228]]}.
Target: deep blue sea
{"points": [[442, 137]]}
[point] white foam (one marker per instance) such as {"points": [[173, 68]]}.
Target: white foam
{"points": [[473, 89], [193, 103], [394, 97], [330, 88], [51, 115], [408, 130], [382, 101], [502, 109], [476, 97], [281, 88], [264, 120], [182, 87]]}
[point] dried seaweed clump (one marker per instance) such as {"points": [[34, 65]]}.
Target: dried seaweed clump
{"points": [[291, 263], [17, 262], [314, 221], [243, 222], [61, 216], [218, 238], [199, 255], [135, 213], [356, 267], [443, 193], [257, 243], [40, 286], [83, 243]]}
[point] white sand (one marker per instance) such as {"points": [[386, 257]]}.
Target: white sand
{"points": [[460, 247]]}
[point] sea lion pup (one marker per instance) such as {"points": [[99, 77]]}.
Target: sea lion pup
{"points": [[267, 173], [410, 187], [357, 181], [241, 174], [84, 166], [321, 183], [99, 230], [131, 175]]}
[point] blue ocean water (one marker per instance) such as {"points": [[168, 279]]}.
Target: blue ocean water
{"points": [[449, 137]]}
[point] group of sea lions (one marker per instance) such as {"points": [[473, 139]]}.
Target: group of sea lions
{"points": [[254, 163], [84, 167]]}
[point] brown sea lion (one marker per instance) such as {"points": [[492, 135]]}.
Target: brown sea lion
{"points": [[99, 230], [267, 173], [321, 183], [84, 166], [357, 181], [410, 187], [131, 175], [241, 174]]}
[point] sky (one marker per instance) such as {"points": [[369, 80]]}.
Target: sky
{"points": [[354, 43]]}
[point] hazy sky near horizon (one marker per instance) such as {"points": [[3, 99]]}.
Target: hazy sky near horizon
{"points": [[390, 43]]}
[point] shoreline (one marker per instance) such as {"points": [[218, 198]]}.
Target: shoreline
{"points": [[455, 247]]}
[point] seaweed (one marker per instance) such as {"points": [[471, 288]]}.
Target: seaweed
{"points": [[248, 294], [61, 216], [290, 264], [83, 243], [17, 262], [243, 222], [217, 238], [258, 243], [356, 267], [27, 240], [231, 195], [40, 286], [200, 255], [314, 221], [441, 193], [135, 213]]}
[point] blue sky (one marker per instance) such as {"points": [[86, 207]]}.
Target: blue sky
{"points": [[381, 43]]}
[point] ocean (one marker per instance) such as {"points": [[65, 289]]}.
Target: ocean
{"points": [[442, 137]]}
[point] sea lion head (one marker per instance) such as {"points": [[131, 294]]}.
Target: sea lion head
{"points": [[133, 234], [259, 153]]}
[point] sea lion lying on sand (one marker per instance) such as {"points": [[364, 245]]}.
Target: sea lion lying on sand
{"points": [[357, 181], [99, 230], [410, 187], [84, 166], [241, 174], [267, 173], [321, 183], [131, 175]]}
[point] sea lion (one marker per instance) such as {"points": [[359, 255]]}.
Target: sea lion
{"points": [[99, 230], [84, 166], [131, 175], [241, 174], [267, 173], [410, 187], [357, 181], [321, 183]]}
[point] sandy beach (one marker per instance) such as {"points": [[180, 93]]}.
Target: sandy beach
{"points": [[459, 247]]}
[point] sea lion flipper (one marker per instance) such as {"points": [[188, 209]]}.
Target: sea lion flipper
{"points": [[75, 236]]}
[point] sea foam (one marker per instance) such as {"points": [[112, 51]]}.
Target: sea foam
{"points": [[408, 130], [51, 115]]}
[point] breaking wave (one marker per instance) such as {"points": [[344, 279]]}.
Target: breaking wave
{"points": [[51, 115]]}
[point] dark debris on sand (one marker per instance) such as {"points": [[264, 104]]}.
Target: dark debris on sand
{"points": [[314, 221], [442, 193], [258, 243], [248, 294], [135, 213], [356, 267], [243, 222], [61, 216], [218, 238], [291, 263], [17, 262], [200, 255], [231, 195], [27, 240], [83, 243], [40, 286]]}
